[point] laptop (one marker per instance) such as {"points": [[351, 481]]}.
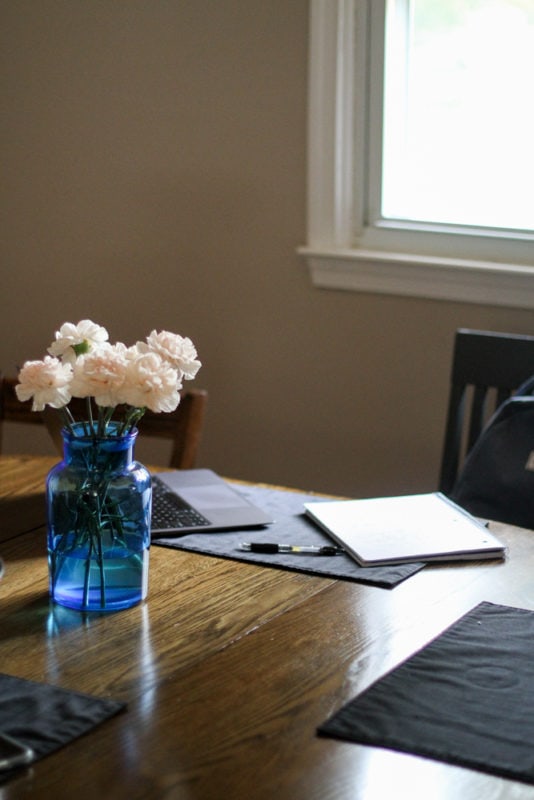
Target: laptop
{"points": [[197, 500]]}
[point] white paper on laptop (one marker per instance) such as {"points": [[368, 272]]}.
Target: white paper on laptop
{"points": [[408, 528]]}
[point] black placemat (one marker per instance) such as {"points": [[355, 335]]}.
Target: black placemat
{"points": [[293, 527], [46, 717], [467, 698]]}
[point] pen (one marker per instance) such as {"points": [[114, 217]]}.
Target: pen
{"points": [[273, 547]]}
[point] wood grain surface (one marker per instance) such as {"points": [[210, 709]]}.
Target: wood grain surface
{"points": [[228, 668]]}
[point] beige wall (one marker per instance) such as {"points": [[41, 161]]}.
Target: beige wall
{"points": [[154, 176]]}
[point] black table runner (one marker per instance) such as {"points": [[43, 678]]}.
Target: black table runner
{"points": [[46, 717], [467, 698], [291, 526]]}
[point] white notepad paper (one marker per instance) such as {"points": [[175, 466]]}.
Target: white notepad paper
{"points": [[404, 529]]}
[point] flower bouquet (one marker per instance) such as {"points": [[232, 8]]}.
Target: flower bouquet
{"points": [[98, 497]]}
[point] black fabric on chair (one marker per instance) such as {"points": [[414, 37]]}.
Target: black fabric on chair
{"points": [[487, 368]]}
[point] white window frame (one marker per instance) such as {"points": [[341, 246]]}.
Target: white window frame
{"points": [[345, 250]]}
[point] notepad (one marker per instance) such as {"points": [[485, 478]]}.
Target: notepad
{"points": [[408, 528]]}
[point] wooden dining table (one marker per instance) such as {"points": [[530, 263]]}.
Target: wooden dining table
{"points": [[228, 668]]}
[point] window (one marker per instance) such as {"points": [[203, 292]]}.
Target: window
{"points": [[457, 79], [386, 211]]}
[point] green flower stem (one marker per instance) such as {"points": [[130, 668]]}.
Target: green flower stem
{"points": [[90, 416], [102, 573], [67, 418], [107, 418], [96, 514], [133, 416], [86, 575]]}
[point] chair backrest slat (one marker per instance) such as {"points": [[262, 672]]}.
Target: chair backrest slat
{"points": [[478, 414]]}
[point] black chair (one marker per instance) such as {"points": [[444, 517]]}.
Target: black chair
{"points": [[487, 368]]}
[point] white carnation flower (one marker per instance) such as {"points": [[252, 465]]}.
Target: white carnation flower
{"points": [[47, 382], [177, 350], [83, 364], [100, 374], [75, 340], [150, 382]]}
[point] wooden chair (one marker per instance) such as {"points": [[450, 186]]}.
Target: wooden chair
{"points": [[12, 410], [487, 368], [183, 426]]}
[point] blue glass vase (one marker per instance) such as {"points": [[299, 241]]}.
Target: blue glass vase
{"points": [[98, 508]]}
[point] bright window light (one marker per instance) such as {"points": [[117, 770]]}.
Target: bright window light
{"points": [[458, 133]]}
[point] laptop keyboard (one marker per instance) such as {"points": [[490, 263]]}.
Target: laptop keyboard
{"points": [[170, 511]]}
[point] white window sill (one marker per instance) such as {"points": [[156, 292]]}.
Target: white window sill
{"points": [[438, 278]]}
